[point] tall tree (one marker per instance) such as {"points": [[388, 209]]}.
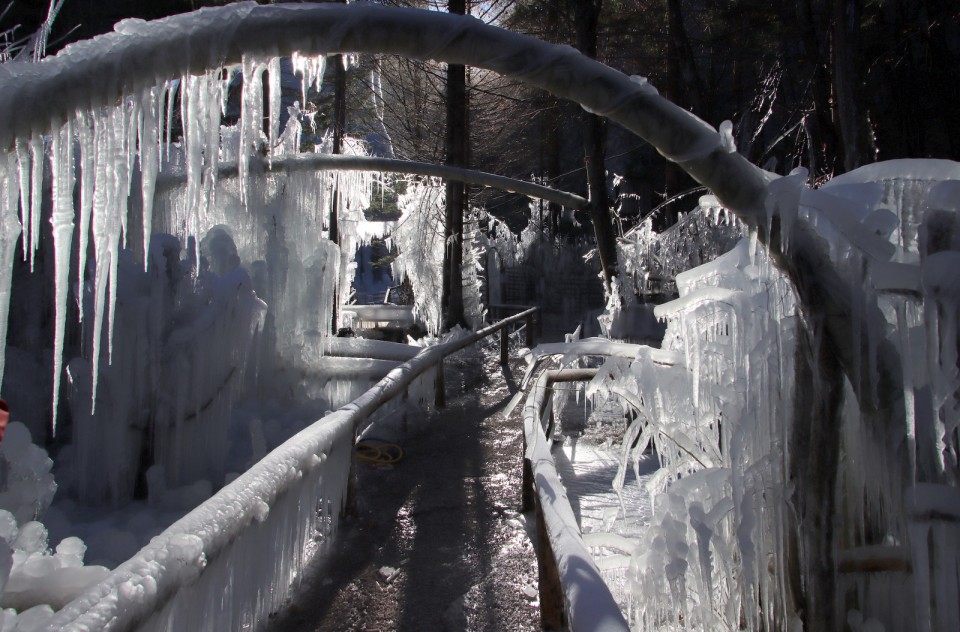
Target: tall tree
{"points": [[586, 18], [339, 128], [858, 147], [456, 150]]}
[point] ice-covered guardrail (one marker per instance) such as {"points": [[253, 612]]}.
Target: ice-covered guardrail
{"points": [[587, 604], [572, 592], [228, 564], [375, 315]]}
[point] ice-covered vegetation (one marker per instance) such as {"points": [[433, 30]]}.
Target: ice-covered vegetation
{"points": [[419, 238], [774, 478]]}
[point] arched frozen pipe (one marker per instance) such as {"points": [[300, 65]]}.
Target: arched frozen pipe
{"points": [[140, 54]]}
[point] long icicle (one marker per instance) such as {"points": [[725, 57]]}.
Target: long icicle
{"points": [[24, 169], [10, 229], [151, 101], [116, 219], [36, 194], [104, 147], [62, 221], [88, 172]]}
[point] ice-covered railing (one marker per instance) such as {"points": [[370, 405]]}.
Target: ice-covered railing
{"points": [[230, 562], [584, 601], [573, 589]]}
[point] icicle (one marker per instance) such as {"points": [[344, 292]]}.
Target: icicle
{"points": [[130, 135], [36, 197], [193, 145], [10, 229], [310, 70], [101, 200], [88, 160], [152, 100], [273, 74], [251, 117], [211, 91], [161, 110], [24, 169], [171, 89], [62, 222], [116, 218]]}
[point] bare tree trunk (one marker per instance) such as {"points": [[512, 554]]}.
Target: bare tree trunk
{"points": [[456, 149], [858, 146], [825, 151], [685, 88], [339, 123], [814, 464], [587, 16]]}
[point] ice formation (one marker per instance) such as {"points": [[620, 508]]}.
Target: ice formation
{"points": [[730, 539], [723, 536], [419, 238], [194, 295], [32, 577]]}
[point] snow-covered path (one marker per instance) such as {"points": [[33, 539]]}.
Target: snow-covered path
{"points": [[437, 542]]}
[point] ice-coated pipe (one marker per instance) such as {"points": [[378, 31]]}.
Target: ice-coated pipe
{"points": [[342, 162], [139, 55]]}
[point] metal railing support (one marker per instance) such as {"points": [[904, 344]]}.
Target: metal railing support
{"points": [[504, 346], [440, 399]]}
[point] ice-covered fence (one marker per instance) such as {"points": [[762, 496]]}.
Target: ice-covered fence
{"points": [[365, 316], [230, 562], [572, 591], [579, 598]]}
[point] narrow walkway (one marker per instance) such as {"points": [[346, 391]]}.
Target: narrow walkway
{"points": [[437, 542]]}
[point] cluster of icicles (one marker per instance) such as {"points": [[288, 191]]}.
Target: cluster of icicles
{"points": [[103, 149]]}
